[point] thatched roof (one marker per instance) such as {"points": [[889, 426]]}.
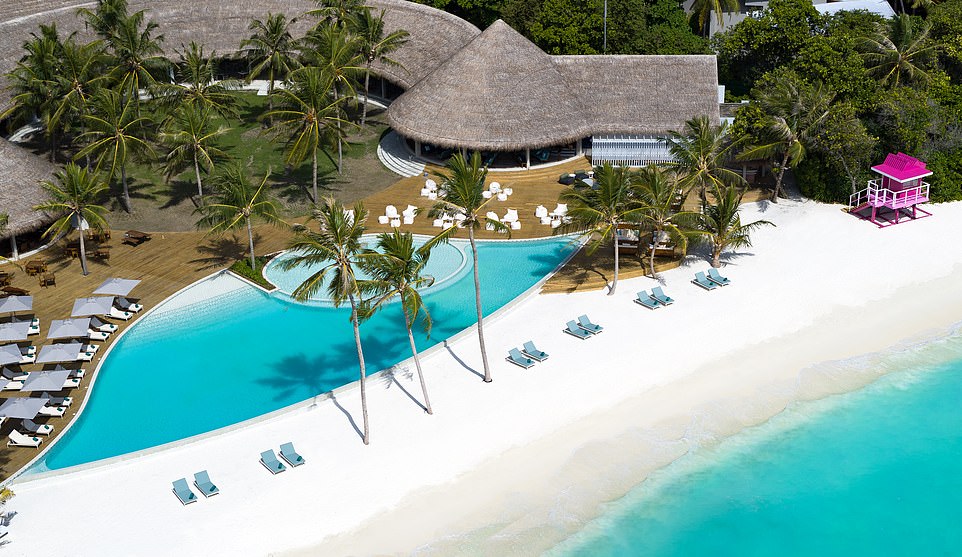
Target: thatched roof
{"points": [[20, 175], [500, 92]]}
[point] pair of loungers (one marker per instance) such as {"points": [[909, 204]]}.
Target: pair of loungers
{"points": [[269, 459], [712, 281], [201, 482], [655, 300], [527, 356], [582, 328]]}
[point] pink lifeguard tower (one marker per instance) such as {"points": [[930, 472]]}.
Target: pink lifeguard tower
{"points": [[900, 188]]}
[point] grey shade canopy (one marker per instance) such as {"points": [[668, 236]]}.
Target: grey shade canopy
{"points": [[69, 328], [12, 304], [55, 353], [22, 407], [116, 287], [10, 354], [85, 307], [45, 381], [18, 330]]}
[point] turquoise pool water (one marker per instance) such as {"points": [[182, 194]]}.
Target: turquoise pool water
{"points": [[874, 472], [239, 355]]}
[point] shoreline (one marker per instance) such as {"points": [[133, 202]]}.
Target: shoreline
{"points": [[574, 431], [529, 499]]}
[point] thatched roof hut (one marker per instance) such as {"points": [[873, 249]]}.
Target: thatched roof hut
{"points": [[20, 175]]}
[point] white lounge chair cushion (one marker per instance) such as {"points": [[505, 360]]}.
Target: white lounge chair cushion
{"points": [[425, 192], [433, 195], [494, 187], [516, 225], [395, 223], [486, 194], [382, 220], [430, 184], [508, 191], [390, 211], [18, 439], [13, 386], [54, 411], [120, 314]]}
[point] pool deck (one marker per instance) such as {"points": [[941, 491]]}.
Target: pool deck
{"points": [[450, 468]]}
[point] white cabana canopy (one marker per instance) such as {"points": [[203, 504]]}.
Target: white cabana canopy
{"points": [[94, 305], [22, 407], [56, 353], [69, 328], [45, 381], [15, 331], [116, 287], [10, 354]]}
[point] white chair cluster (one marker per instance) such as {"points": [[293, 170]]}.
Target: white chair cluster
{"points": [[554, 218], [430, 189], [510, 219], [392, 217], [448, 219], [495, 190]]}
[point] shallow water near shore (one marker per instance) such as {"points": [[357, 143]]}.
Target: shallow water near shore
{"points": [[871, 472]]}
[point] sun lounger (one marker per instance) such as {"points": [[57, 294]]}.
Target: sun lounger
{"points": [[574, 330], [290, 455], [717, 278], [700, 280], [120, 314], [126, 305], [57, 400], [203, 483], [517, 358], [37, 429], [659, 295], [71, 383], [17, 439], [99, 325], [13, 386], [531, 351], [183, 492], [28, 359], [85, 356], [52, 411], [269, 460], [13, 375], [587, 325], [97, 335], [645, 300]]}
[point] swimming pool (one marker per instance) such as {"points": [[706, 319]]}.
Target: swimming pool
{"points": [[210, 362]]}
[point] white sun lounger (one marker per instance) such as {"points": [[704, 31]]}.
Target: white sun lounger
{"points": [[120, 314], [52, 411], [18, 439], [13, 386], [126, 305], [37, 429], [57, 400], [13, 375]]}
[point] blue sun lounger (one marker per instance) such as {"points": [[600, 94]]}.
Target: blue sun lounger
{"points": [[517, 358], [531, 351], [203, 483], [700, 280], [290, 455], [269, 460], [574, 330], [659, 295], [717, 278], [645, 300], [587, 325], [183, 492]]}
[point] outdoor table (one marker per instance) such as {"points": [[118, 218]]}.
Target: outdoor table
{"points": [[48, 279], [14, 291], [135, 237], [72, 250], [5, 278], [35, 267]]}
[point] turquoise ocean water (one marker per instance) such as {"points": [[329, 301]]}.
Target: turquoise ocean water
{"points": [[239, 355], [873, 472]]}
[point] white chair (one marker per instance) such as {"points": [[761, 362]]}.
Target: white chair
{"points": [[508, 191], [510, 216], [52, 411], [438, 223], [425, 192], [430, 184], [391, 212], [433, 195], [516, 225], [409, 213], [541, 211], [555, 223], [408, 219], [383, 219], [395, 223], [546, 220], [560, 211], [502, 196], [494, 187], [18, 439], [486, 194], [96, 335]]}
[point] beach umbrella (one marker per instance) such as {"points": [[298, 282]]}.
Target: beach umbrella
{"points": [[15, 331], [10, 354], [13, 304], [85, 307], [22, 407], [45, 381], [56, 353], [116, 287], [69, 328]]}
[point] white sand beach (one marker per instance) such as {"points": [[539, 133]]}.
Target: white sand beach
{"points": [[512, 467]]}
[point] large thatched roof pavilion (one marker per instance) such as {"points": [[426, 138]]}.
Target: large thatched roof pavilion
{"points": [[20, 175]]}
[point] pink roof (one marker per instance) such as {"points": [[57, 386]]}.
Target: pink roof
{"points": [[902, 167]]}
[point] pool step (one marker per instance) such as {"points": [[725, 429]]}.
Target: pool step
{"points": [[394, 155]]}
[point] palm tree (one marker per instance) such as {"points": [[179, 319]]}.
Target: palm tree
{"points": [[310, 116], [271, 49], [334, 51], [720, 225], [375, 46], [81, 75], [335, 12], [137, 54], [396, 271], [656, 190], [190, 137], [700, 153], [106, 17], [598, 212], [195, 84], [74, 195], [794, 114], [36, 85], [115, 133], [336, 246], [237, 202], [701, 11], [898, 53], [460, 194]]}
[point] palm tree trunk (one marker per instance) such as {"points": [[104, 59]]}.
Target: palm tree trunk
{"points": [[314, 174], [200, 188], [340, 151], [363, 370], [614, 280], [477, 302], [367, 92], [250, 240], [270, 97], [716, 256], [651, 258], [123, 181], [778, 179], [417, 364], [83, 249]]}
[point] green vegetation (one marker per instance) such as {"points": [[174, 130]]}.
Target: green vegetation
{"points": [[242, 267]]}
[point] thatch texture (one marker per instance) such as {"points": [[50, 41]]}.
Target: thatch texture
{"points": [[20, 175], [500, 92]]}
